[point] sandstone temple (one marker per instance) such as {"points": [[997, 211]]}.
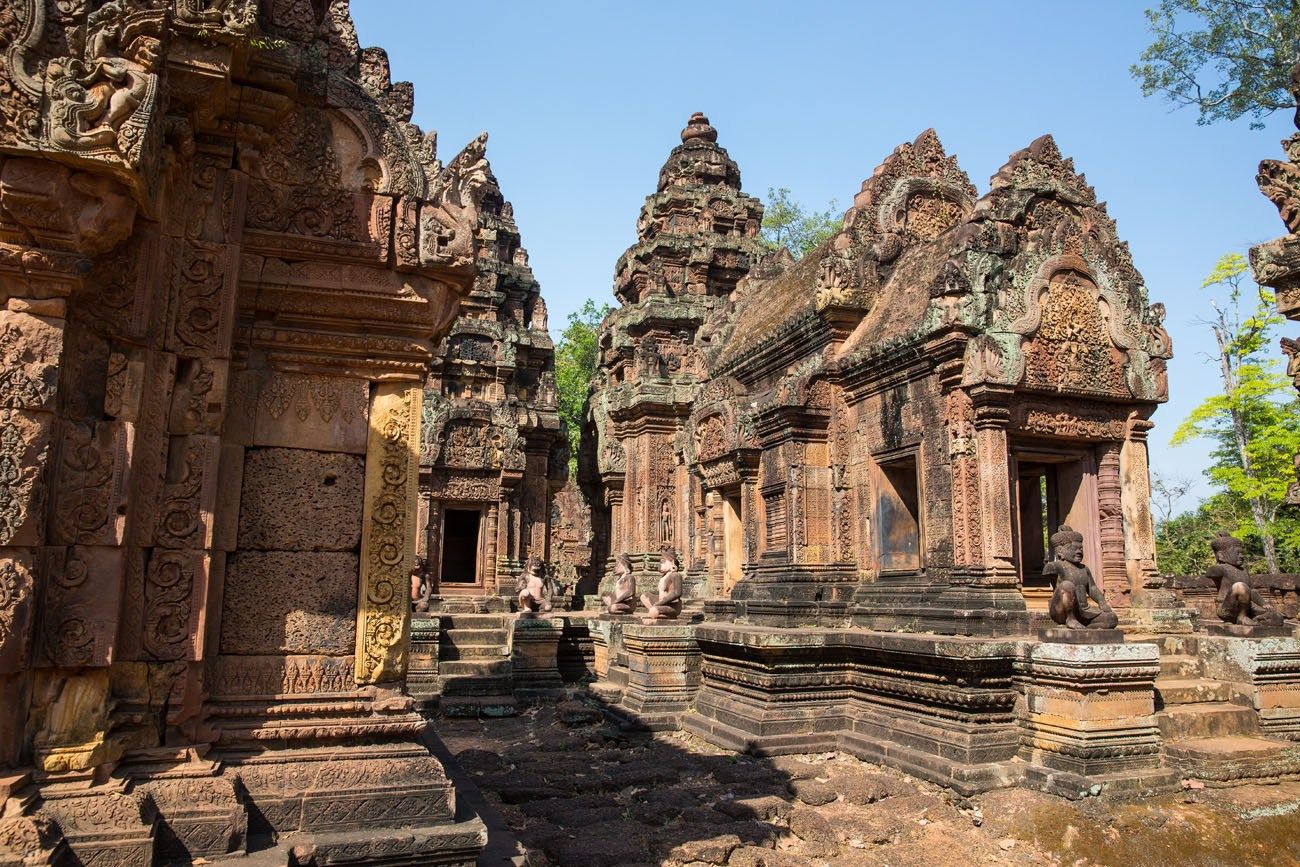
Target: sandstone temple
{"points": [[283, 482]]}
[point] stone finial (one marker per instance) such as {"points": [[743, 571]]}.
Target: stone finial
{"points": [[698, 127]]}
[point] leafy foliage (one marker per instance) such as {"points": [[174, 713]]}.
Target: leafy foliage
{"points": [[787, 224], [575, 365], [1254, 422], [1183, 541], [1238, 63]]}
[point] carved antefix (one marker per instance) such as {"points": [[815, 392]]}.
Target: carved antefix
{"points": [[388, 531]]}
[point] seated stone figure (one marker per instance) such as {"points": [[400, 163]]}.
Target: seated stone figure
{"points": [[1075, 586], [1238, 600], [668, 604], [421, 590], [623, 599], [534, 588]]}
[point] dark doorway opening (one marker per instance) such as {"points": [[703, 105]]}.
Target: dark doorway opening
{"points": [[460, 546], [1051, 486]]}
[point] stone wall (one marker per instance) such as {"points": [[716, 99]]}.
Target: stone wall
{"points": [[226, 257]]}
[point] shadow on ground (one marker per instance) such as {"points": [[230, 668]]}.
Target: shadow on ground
{"points": [[579, 791]]}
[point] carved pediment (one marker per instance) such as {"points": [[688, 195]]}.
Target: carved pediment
{"points": [[1073, 349]]}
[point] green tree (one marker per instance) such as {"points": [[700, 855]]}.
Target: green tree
{"points": [[787, 224], [1228, 58], [575, 365], [1254, 422]]}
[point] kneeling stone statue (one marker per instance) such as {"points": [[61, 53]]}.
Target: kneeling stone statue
{"points": [[1075, 586], [1238, 600]]}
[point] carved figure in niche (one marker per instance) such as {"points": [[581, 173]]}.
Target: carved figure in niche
{"points": [[92, 100], [1238, 600], [1075, 586], [666, 523], [668, 604], [535, 588], [623, 599], [421, 590]]}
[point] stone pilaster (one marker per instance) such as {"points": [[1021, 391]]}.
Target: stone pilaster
{"points": [[1112, 571], [1088, 722], [1156, 607], [991, 418], [663, 664], [388, 532]]}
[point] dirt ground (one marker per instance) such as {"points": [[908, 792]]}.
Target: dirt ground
{"points": [[580, 792]]}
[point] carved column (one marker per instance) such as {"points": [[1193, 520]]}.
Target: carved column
{"points": [[1113, 569], [991, 419], [967, 524], [1135, 492], [491, 562], [388, 532]]}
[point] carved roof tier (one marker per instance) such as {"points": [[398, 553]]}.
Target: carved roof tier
{"points": [[698, 233]]}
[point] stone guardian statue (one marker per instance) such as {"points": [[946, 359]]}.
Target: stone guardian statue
{"points": [[1075, 586], [668, 604], [1238, 601], [623, 599], [535, 588]]}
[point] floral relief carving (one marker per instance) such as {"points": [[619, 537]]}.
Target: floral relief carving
{"points": [[68, 638], [200, 323], [168, 588], [19, 471], [29, 358], [90, 484], [388, 537], [16, 588]]}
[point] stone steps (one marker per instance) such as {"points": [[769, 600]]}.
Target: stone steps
{"points": [[1206, 720], [475, 672], [477, 705], [1172, 691], [450, 651], [473, 621], [458, 637], [491, 684], [1234, 760], [1177, 665], [479, 668]]}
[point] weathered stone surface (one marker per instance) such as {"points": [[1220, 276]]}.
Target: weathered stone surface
{"points": [[299, 500], [30, 349], [291, 602], [813, 792], [713, 851]]}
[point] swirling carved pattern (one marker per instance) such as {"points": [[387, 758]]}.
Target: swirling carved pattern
{"points": [[388, 541], [168, 587]]}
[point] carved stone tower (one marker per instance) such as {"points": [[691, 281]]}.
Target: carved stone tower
{"points": [[697, 238]]}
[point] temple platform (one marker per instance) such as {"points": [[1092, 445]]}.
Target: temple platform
{"points": [[1127, 718]]}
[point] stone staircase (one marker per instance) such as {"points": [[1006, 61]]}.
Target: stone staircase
{"points": [[1210, 732], [475, 674]]}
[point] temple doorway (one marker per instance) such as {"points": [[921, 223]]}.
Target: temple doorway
{"points": [[733, 534], [461, 540], [1049, 487]]}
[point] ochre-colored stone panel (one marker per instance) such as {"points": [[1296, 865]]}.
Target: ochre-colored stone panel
{"points": [[388, 532]]}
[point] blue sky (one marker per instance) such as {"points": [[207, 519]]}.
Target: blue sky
{"points": [[583, 101]]}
